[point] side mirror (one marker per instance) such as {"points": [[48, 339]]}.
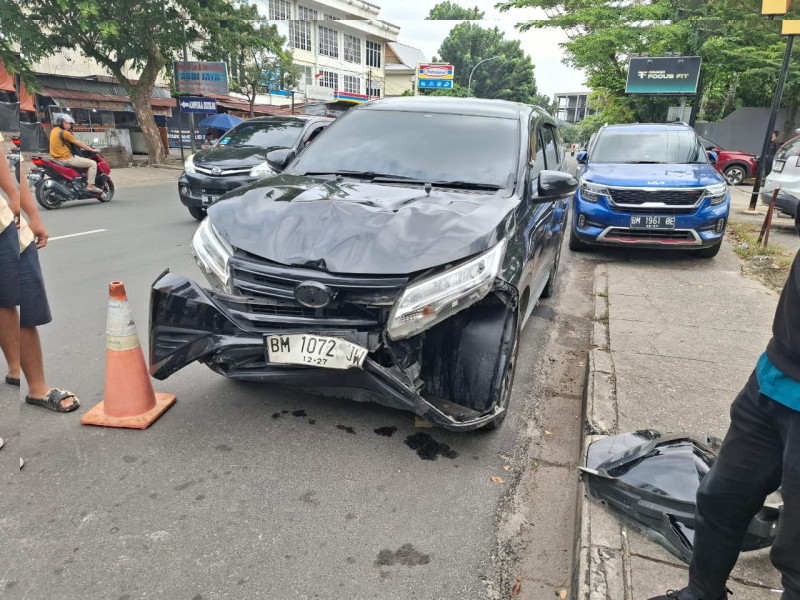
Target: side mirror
{"points": [[554, 184], [279, 159], [712, 156], [95, 141], [582, 157]]}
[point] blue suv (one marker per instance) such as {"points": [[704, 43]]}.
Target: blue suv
{"points": [[650, 185]]}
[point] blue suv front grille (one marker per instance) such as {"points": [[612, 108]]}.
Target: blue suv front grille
{"points": [[671, 197]]}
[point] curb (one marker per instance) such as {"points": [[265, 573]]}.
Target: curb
{"points": [[604, 566]]}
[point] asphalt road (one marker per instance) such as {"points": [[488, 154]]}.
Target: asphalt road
{"points": [[253, 491]]}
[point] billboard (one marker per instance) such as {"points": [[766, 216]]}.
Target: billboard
{"points": [[201, 78], [663, 76], [435, 76]]}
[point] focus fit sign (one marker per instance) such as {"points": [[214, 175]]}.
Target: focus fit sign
{"points": [[668, 76], [201, 78]]}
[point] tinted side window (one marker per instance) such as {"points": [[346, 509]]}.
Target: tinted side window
{"points": [[537, 152], [551, 148]]}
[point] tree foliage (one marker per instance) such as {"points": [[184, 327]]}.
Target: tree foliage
{"points": [[741, 51], [450, 11]]}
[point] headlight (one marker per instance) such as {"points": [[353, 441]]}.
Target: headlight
{"points": [[436, 298], [717, 193], [262, 170], [592, 191], [211, 252], [188, 165]]}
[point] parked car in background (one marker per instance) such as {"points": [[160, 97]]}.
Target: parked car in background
{"points": [[786, 176], [399, 256], [734, 166], [254, 149], [649, 185]]}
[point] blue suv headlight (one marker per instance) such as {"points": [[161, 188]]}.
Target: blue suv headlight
{"points": [[592, 191], [717, 193]]}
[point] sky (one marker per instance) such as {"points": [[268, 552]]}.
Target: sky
{"points": [[542, 45]]}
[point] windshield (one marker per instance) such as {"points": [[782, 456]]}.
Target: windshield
{"points": [[277, 134], [427, 147], [660, 147], [790, 148]]}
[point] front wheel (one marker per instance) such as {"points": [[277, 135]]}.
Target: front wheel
{"points": [[46, 197], [575, 244], [197, 212], [735, 175], [108, 191], [709, 252]]}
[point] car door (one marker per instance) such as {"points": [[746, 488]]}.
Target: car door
{"points": [[541, 236]]}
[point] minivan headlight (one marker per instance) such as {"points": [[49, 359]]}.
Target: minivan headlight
{"points": [[436, 298], [592, 191], [211, 252], [262, 170], [717, 193], [188, 165]]}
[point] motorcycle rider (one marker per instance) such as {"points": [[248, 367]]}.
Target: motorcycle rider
{"points": [[60, 150]]}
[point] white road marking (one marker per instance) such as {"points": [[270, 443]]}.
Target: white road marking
{"points": [[71, 235]]}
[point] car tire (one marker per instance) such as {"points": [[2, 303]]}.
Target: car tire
{"points": [[550, 287], [735, 174], [709, 252], [575, 244], [507, 385], [197, 212]]}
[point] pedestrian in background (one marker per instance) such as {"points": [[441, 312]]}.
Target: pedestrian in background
{"points": [[22, 284], [760, 453], [774, 144]]}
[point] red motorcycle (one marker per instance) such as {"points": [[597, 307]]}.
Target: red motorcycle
{"points": [[56, 182], [14, 156]]}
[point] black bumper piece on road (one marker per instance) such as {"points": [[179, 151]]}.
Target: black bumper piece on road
{"points": [[784, 202], [194, 189], [227, 333]]}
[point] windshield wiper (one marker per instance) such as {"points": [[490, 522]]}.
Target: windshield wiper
{"points": [[365, 175], [467, 185], [643, 162]]}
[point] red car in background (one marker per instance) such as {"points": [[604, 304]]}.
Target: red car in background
{"points": [[734, 166]]}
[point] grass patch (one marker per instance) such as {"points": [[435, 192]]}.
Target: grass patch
{"points": [[769, 264]]}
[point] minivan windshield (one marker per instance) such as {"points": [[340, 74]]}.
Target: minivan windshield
{"points": [[428, 147], [678, 146], [275, 134]]}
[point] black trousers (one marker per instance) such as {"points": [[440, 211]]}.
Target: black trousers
{"points": [[761, 452]]}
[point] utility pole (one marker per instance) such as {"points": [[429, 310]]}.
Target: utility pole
{"points": [[789, 28]]}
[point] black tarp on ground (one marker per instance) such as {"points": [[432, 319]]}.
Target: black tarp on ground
{"points": [[9, 116], [32, 138]]}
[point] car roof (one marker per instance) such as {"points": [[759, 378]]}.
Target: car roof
{"points": [[646, 127], [460, 106], [298, 118]]}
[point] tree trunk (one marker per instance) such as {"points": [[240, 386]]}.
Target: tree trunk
{"points": [[141, 96]]}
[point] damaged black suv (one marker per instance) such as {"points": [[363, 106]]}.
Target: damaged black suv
{"points": [[399, 255]]}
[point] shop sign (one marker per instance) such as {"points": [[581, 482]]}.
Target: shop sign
{"points": [[201, 78]]}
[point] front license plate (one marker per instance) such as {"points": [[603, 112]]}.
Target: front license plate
{"points": [[650, 222], [314, 350], [209, 200]]}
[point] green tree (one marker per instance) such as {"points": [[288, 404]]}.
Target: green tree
{"points": [[135, 42], [450, 11]]}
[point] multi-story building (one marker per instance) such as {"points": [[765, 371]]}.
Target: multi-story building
{"points": [[573, 107], [401, 67]]}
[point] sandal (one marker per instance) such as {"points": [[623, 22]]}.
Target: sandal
{"points": [[12, 380], [52, 400]]}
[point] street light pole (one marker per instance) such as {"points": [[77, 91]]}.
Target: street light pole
{"points": [[469, 85]]}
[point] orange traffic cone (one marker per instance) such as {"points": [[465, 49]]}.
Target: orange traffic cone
{"points": [[129, 400]]}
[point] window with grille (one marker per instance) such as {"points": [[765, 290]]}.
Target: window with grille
{"points": [[374, 92], [300, 35], [306, 75], [280, 10], [306, 14], [352, 48], [331, 18], [373, 54], [352, 85], [329, 79], [328, 42]]}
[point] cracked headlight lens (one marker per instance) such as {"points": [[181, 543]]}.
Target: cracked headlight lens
{"points": [[211, 253], [438, 297]]}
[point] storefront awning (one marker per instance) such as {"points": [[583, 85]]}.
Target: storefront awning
{"points": [[76, 99], [243, 106], [6, 80]]}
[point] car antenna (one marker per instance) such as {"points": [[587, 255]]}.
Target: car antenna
{"points": [[428, 187]]}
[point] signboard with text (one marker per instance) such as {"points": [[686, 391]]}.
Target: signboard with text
{"points": [[201, 78], [435, 76], [189, 104], [663, 76]]}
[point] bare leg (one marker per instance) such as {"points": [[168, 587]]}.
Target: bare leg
{"points": [[9, 339], [33, 365]]}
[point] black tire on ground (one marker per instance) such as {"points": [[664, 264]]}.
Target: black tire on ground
{"points": [[552, 280], [735, 174], [709, 252], [575, 244], [108, 191], [508, 384], [46, 198], [197, 213]]}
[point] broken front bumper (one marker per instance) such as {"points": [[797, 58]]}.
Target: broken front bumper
{"points": [[227, 333]]}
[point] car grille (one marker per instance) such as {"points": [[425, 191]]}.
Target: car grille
{"points": [[268, 299], [634, 196], [223, 172], [663, 235]]}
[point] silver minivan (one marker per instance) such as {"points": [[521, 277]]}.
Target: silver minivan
{"points": [[786, 176]]}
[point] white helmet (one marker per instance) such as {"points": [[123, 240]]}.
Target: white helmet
{"points": [[64, 118]]}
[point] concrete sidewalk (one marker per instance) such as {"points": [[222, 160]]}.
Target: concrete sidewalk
{"points": [[144, 175], [675, 339]]}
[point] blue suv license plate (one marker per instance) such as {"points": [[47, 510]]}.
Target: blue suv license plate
{"points": [[651, 222]]}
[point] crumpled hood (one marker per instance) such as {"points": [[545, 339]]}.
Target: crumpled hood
{"points": [[359, 228], [660, 175], [229, 157]]}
